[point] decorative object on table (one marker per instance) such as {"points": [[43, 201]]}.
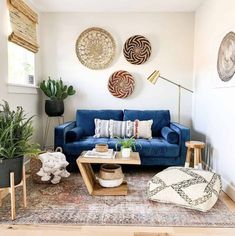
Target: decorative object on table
{"points": [[186, 187], [109, 154], [153, 79], [101, 147], [16, 131], [197, 147], [52, 167], [15, 124], [226, 57], [137, 49], [121, 84], [110, 175], [57, 91], [95, 48], [127, 145], [92, 184]]}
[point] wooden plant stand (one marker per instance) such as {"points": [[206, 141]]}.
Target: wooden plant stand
{"points": [[92, 185], [11, 190]]}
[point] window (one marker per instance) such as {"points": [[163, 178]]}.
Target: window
{"points": [[21, 65]]}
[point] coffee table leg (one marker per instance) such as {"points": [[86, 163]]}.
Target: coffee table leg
{"points": [[87, 175]]}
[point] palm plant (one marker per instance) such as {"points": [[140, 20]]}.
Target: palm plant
{"points": [[16, 131]]}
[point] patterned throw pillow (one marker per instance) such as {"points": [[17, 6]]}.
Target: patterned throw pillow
{"points": [[142, 129], [101, 128], [187, 187], [121, 129]]}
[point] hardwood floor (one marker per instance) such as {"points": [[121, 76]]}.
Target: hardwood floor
{"points": [[59, 230]]}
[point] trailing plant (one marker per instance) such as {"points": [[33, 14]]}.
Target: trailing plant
{"points": [[56, 90], [127, 143], [15, 133]]}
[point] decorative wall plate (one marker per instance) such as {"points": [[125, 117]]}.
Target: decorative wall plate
{"points": [[226, 57], [95, 48], [121, 84], [137, 49]]}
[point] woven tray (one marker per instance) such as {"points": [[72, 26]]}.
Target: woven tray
{"points": [[36, 165]]}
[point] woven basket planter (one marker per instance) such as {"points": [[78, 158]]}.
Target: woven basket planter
{"points": [[36, 165]]}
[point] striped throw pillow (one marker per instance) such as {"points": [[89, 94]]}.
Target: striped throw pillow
{"points": [[101, 128], [121, 129]]}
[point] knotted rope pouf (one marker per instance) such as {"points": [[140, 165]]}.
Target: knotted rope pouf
{"points": [[137, 49], [121, 84]]}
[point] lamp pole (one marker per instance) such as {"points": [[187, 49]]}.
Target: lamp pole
{"points": [[153, 79]]}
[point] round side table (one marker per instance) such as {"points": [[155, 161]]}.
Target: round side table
{"points": [[197, 147]]}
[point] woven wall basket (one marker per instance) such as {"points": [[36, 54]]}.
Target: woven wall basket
{"points": [[226, 57], [95, 48], [137, 49], [121, 84]]}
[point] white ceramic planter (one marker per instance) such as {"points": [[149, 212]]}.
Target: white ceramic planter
{"points": [[126, 152]]}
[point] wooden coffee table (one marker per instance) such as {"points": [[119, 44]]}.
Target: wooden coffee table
{"points": [[92, 184]]}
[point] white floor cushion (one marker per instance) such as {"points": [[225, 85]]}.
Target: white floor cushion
{"points": [[186, 187]]}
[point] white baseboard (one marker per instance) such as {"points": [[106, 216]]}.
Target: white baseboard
{"points": [[226, 186]]}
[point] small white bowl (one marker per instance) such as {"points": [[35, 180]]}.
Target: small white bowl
{"points": [[110, 183]]}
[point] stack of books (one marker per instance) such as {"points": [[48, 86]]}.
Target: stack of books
{"points": [[93, 153]]}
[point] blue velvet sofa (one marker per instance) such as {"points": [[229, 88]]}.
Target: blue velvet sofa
{"points": [[77, 136]]}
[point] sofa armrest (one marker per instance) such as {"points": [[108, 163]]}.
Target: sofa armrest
{"points": [[184, 135], [60, 132], [74, 134]]}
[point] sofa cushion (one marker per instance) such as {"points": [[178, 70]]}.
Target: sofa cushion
{"points": [[160, 118], [156, 147], [85, 118], [186, 187], [169, 135]]}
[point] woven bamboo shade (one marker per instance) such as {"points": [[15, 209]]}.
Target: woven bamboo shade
{"points": [[23, 22]]}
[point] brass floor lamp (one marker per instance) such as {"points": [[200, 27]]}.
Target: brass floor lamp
{"points": [[156, 75]]}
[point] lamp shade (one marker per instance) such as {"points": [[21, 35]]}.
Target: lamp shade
{"points": [[154, 77]]}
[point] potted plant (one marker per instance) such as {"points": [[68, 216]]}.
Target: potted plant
{"points": [[57, 92], [127, 144], [15, 133]]}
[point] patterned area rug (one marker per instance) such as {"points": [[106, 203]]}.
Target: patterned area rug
{"points": [[69, 203]]}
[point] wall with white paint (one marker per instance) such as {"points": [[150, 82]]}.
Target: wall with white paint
{"points": [[214, 113], [171, 36]]}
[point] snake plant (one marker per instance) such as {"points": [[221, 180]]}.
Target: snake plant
{"points": [[15, 133]]}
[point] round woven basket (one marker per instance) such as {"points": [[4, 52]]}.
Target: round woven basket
{"points": [[110, 172], [36, 165]]}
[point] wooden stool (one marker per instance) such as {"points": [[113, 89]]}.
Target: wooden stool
{"points": [[197, 146], [11, 189]]}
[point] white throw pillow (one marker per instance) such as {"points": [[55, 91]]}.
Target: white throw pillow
{"points": [[121, 129], [186, 187], [101, 128], [142, 129]]}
